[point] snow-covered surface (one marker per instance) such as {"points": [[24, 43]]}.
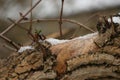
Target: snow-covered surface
{"points": [[49, 8], [24, 48], [115, 19], [55, 41]]}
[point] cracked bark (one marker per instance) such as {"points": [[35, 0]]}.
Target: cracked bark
{"points": [[95, 57]]}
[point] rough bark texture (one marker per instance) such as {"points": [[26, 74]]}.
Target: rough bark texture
{"points": [[92, 57]]}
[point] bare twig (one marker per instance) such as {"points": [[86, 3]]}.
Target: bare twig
{"points": [[92, 16], [17, 24], [86, 21], [16, 46], [11, 26], [74, 34], [9, 47], [31, 35], [61, 15], [65, 20], [30, 28]]}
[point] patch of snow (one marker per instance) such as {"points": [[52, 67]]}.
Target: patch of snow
{"points": [[56, 41], [24, 48], [115, 19]]}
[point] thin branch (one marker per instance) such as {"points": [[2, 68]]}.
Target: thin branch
{"points": [[17, 24], [61, 15], [65, 20], [9, 47], [33, 37], [74, 34], [16, 46], [92, 16], [89, 18], [23, 28], [11, 26], [30, 28]]}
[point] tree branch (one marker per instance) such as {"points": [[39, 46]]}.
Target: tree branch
{"points": [[65, 20], [61, 15], [16, 46], [12, 25]]}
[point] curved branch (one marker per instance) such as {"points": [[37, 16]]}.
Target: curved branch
{"points": [[65, 20]]}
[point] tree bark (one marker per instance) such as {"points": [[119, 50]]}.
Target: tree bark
{"points": [[94, 56]]}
